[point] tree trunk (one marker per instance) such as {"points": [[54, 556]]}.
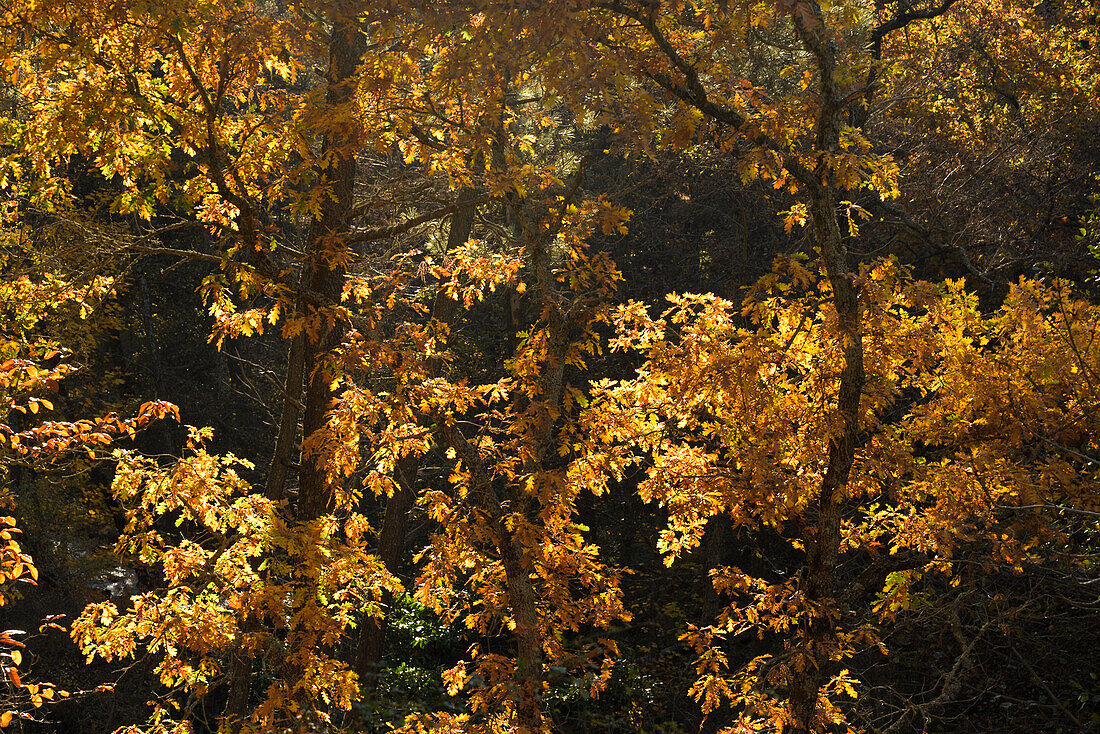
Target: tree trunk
{"points": [[240, 689], [323, 277], [517, 579], [287, 432], [395, 523], [822, 536], [521, 598], [391, 547], [324, 273]]}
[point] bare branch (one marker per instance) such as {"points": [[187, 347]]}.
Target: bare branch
{"points": [[381, 233]]}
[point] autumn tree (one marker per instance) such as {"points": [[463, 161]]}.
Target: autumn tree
{"points": [[946, 462], [236, 119], [715, 68], [374, 185]]}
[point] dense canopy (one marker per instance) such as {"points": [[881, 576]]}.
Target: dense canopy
{"points": [[560, 366]]}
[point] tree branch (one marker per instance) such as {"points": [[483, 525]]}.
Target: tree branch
{"points": [[381, 233]]}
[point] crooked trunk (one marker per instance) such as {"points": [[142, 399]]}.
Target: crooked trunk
{"points": [[287, 433], [821, 534], [822, 537], [520, 590]]}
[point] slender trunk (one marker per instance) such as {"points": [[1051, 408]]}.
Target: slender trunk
{"points": [[517, 578], [542, 413], [493, 495], [822, 537], [391, 547], [395, 523], [521, 591], [239, 671], [287, 435]]}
